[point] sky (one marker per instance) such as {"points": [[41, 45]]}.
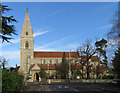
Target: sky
{"points": [[59, 26]]}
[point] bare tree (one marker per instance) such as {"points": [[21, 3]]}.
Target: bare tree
{"points": [[86, 51], [114, 33], [3, 62]]}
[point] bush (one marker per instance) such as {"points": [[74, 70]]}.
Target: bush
{"points": [[42, 73], [104, 77], [11, 82], [107, 77]]}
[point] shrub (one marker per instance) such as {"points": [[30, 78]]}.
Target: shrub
{"points": [[11, 82], [42, 73], [107, 77]]}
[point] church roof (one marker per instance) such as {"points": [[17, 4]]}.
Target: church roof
{"points": [[93, 58], [55, 54], [41, 54]]}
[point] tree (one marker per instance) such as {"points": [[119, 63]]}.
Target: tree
{"points": [[78, 73], [3, 62], [81, 61], [116, 63], [86, 51], [100, 46], [42, 73], [114, 33], [6, 28], [64, 67], [12, 82]]}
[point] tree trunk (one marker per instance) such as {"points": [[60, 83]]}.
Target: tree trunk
{"points": [[87, 71], [82, 73]]}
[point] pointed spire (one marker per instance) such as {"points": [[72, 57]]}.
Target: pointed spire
{"points": [[27, 9], [27, 24], [27, 19]]}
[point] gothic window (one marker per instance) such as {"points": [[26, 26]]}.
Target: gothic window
{"points": [[50, 61], [26, 33], [44, 61], [57, 61], [26, 45], [41, 61]]}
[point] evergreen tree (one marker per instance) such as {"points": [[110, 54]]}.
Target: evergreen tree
{"points": [[116, 63], [42, 73], [101, 45], [64, 67], [6, 28]]}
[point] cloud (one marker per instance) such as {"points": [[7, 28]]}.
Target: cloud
{"points": [[52, 43], [106, 26], [15, 54], [72, 46], [15, 40], [57, 12], [39, 33], [0, 45], [11, 54], [66, 47], [44, 49]]}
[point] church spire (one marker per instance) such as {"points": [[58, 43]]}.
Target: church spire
{"points": [[27, 25], [26, 45]]}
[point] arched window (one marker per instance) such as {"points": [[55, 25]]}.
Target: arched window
{"points": [[26, 45], [26, 33], [57, 61], [50, 61], [41, 61], [44, 61]]}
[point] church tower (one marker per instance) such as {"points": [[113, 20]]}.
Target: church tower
{"points": [[26, 45]]}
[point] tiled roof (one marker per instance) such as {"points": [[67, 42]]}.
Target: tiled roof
{"points": [[56, 66], [55, 54], [60, 55], [93, 58], [76, 66]]}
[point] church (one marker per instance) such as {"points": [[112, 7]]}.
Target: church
{"points": [[32, 61]]}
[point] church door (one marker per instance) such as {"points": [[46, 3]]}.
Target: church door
{"points": [[36, 76]]}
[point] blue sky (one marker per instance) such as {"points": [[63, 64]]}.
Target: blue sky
{"points": [[59, 26]]}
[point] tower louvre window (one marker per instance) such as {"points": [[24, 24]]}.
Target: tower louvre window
{"points": [[26, 33], [26, 45]]}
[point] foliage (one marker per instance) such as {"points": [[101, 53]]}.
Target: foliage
{"points": [[107, 77], [100, 47], [6, 29], [11, 82], [114, 33], [116, 63], [64, 67], [78, 73], [42, 73]]}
